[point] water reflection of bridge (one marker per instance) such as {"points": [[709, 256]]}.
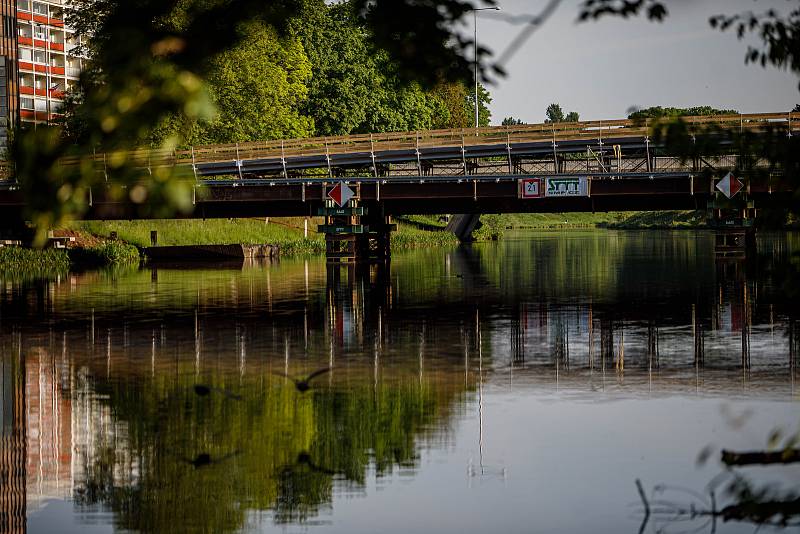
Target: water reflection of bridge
{"points": [[297, 309]]}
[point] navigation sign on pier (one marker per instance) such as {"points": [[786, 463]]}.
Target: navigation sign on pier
{"points": [[341, 194], [531, 188], [730, 185]]}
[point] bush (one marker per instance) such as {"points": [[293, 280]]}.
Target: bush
{"points": [[108, 253]]}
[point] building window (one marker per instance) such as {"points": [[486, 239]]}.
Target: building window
{"points": [[24, 5], [39, 56], [40, 9], [40, 32], [25, 54], [40, 104], [26, 103]]}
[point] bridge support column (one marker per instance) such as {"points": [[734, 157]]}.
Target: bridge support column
{"points": [[356, 233], [462, 225], [732, 221]]}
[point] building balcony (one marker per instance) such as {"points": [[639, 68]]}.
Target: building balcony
{"points": [[28, 115], [26, 90], [22, 15], [57, 46], [58, 71], [25, 40]]}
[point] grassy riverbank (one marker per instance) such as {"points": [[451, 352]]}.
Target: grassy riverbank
{"points": [[22, 263], [287, 233], [18, 263], [94, 248]]}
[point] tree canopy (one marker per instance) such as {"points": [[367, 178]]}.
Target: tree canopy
{"points": [[657, 112], [511, 121], [554, 113]]}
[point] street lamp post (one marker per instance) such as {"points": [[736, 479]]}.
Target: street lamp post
{"points": [[475, 19]]}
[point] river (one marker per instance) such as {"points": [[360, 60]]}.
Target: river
{"points": [[522, 385]]}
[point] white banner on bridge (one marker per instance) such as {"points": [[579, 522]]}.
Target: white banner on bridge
{"points": [[567, 186]]}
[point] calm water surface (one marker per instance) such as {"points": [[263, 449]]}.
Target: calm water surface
{"points": [[516, 386]]}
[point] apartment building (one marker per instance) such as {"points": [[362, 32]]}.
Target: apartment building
{"points": [[38, 64]]}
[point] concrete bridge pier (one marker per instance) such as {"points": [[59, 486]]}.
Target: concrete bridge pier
{"points": [[463, 224]]}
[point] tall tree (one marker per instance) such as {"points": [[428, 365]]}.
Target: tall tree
{"points": [[259, 90], [554, 113], [356, 88]]}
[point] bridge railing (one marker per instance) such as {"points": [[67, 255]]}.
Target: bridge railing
{"points": [[590, 131]]}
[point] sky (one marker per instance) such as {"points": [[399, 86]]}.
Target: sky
{"points": [[601, 69]]}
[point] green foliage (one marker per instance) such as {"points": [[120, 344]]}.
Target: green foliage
{"points": [[554, 114], [511, 121], [411, 236], [458, 104], [107, 253], [287, 234], [484, 99], [259, 88], [657, 112], [356, 88], [491, 228], [18, 263]]}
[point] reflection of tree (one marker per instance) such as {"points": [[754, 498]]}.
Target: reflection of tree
{"points": [[291, 448]]}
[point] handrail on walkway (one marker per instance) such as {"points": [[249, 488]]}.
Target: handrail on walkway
{"points": [[593, 131]]}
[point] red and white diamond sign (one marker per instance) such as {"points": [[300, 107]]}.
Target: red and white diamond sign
{"points": [[341, 194], [730, 185]]}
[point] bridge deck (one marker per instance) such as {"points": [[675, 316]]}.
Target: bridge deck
{"points": [[421, 148], [447, 171]]}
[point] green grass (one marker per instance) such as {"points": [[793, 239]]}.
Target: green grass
{"points": [[425, 222], [662, 219], [108, 253], [19, 263], [286, 233], [612, 219], [410, 236]]}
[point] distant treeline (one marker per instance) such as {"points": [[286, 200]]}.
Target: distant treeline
{"points": [[657, 112]]}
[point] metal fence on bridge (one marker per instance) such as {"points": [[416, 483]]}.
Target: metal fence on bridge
{"points": [[592, 147]]}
